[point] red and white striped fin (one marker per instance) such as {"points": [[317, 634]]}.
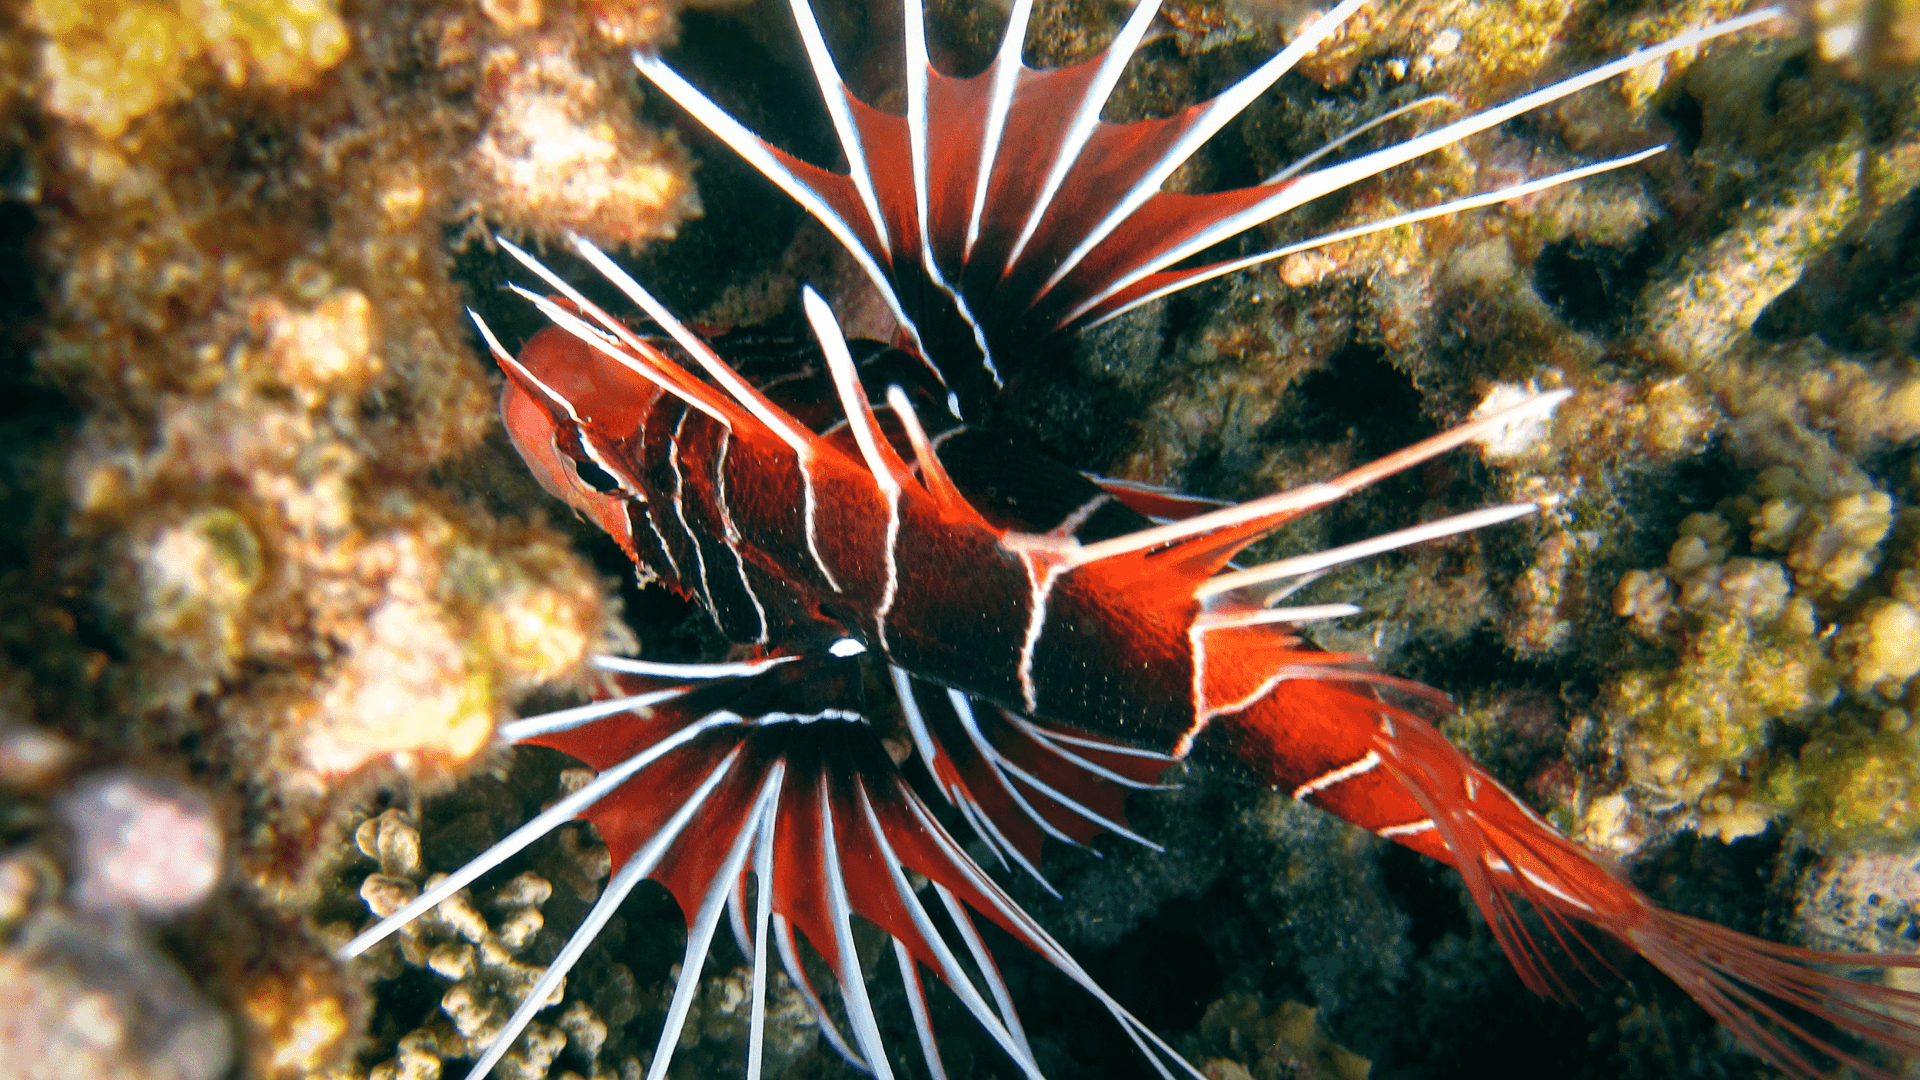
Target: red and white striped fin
{"points": [[1172, 228], [832, 199], [1120, 300], [1196, 126], [1351, 749], [708, 777], [1204, 543], [981, 251], [1019, 782]]}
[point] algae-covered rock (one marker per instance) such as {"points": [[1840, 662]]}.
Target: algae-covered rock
{"points": [[1284, 1042], [261, 546], [84, 999]]}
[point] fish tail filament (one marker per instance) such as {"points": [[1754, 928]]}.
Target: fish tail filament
{"points": [[1344, 744]]}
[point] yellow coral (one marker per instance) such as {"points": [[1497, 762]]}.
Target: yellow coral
{"points": [[1883, 642], [329, 347], [407, 690], [107, 63], [1852, 783], [1703, 733], [197, 577], [298, 1024]]}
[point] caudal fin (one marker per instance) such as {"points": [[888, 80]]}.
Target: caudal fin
{"points": [[1786, 1003], [1778, 998]]}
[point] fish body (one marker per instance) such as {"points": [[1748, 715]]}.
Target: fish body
{"points": [[1046, 654]]}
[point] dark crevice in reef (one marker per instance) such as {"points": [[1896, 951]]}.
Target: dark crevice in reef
{"points": [[746, 223], [1357, 394], [1846, 295], [1687, 118], [1593, 286], [1428, 892], [1069, 412], [1655, 501], [1361, 399], [42, 633], [1356, 397], [1165, 969]]}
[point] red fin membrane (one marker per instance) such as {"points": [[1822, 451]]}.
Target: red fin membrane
{"points": [[712, 773], [1017, 782], [1001, 210], [1351, 750]]}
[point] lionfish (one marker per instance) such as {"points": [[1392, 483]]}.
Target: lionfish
{"points": [[1047, 651]]}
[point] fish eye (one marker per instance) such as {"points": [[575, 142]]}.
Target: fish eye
{"points": [[596, 477]]}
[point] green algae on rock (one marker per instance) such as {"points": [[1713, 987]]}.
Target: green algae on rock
{"points": [[1287, 1041]]}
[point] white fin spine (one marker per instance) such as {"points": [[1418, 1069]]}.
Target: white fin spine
{"points": [[997, 764], [834, 91], [1446, 209], [775, 418], [1284, 506], [1234, 620], [558, 814], [630, 874], [1321, 560], [1384, 118], [797, 975], [948, 965], [762, 158], [885, 465], [1086, 117], [1006, 75], [707, 919], [517, 731], [933, 475], [1214, 115], [762, 914], [853, 981], [1306, 188], [1045, 740], [660, 371], [653, 669]]}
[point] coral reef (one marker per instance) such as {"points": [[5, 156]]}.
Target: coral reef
{"points": [[271, 577], [1764, 713], [483, 950], [266, 559], [86, 1000]]}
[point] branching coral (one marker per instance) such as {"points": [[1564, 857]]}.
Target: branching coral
{"points": [[478, 957], [1739, 727], [485, 949]]}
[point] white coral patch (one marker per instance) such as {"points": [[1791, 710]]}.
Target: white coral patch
{"points": [[407, 689], [1518, 436]]}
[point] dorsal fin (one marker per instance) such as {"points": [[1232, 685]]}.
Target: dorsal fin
{"points": [[1041, 218]]}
